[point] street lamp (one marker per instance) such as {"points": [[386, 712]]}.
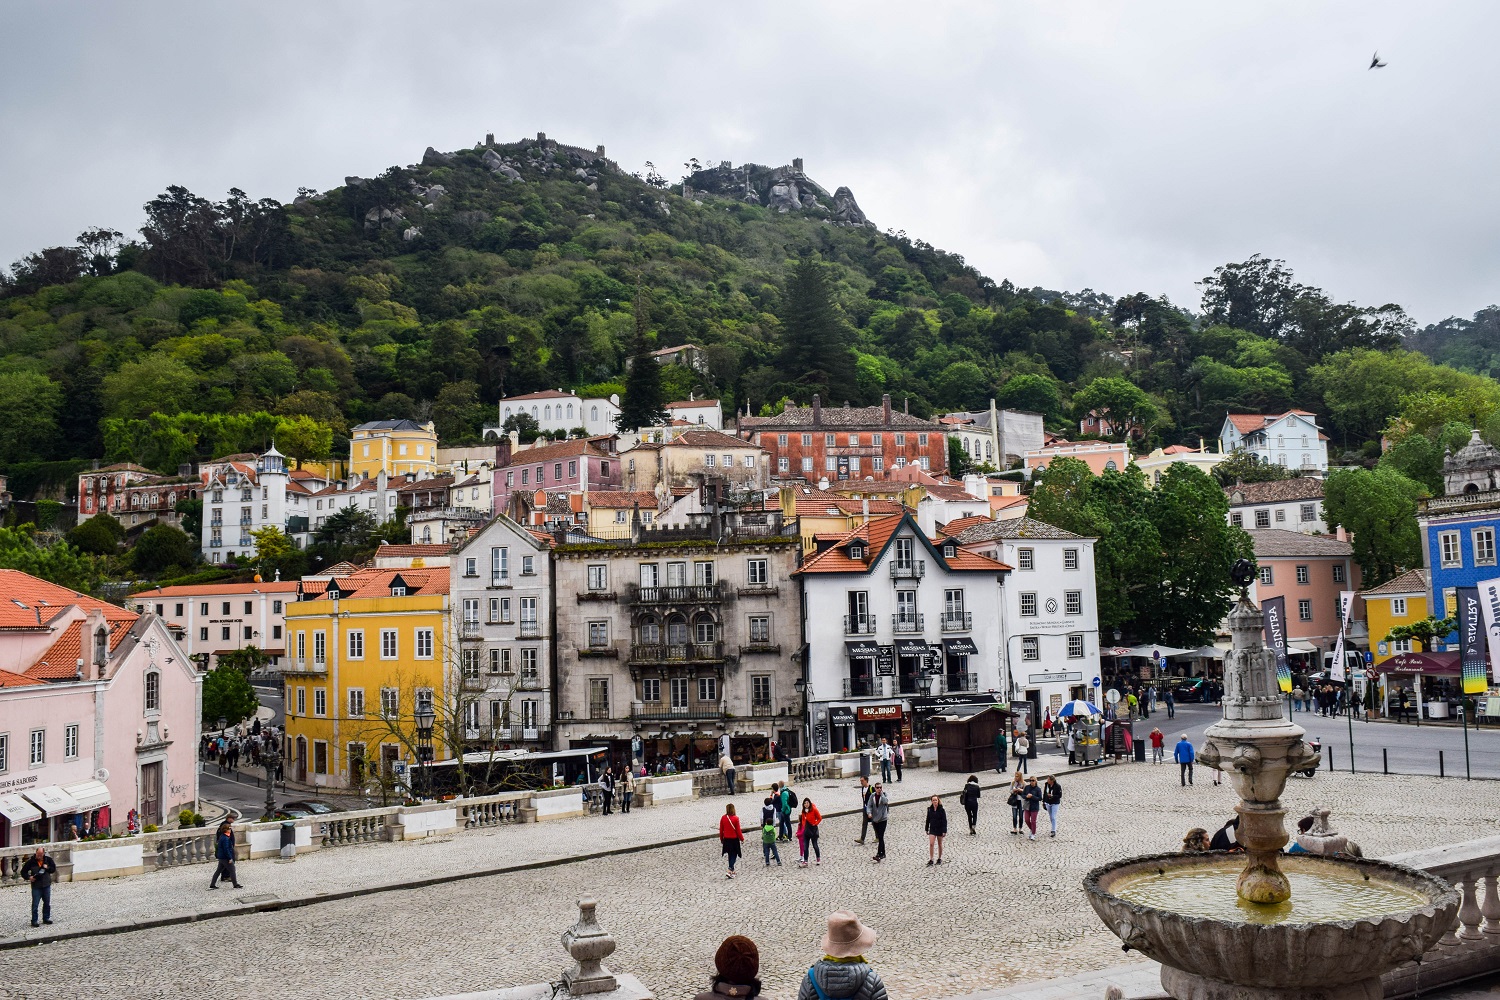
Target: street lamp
{"points": [[805, 689], [270, 759], [425, 717]]}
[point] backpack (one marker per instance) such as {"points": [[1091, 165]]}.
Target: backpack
{"points": [[791, 799]]}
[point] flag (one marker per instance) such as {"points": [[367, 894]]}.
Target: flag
{"points": [[1336, 670], [1489, 605], [1273, 610], [1471, 642]]}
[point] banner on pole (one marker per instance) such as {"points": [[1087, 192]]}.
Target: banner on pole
{"points": [[1336, 671], [1489, 605], [1471, 641], [1273, 611]]}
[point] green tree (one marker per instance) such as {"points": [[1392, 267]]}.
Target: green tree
{"points": [[247, 660], [100, 535], [1127, 408], [227, 695], [29, 404], [304, 439], [1418, 458], [162, 547], [817, 352], [958, 459], [191, 512], [1379, 509], [154, 384], [58, 563], [642, 405], [1425, 631], [458, 413], [273, 550], [1363, 389], [1245, 467], [1036, 393]]}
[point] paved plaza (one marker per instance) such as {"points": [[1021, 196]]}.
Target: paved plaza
{"points": [[1000, 911]]}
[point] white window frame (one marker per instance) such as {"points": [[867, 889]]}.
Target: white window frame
{"points": [[38, 748], [320, 703], [356, 644], [1025, 559], [70, 741], [1031, 647], [1450, 548], [1075, 646], [424, 644], [1483, 541], [1398, 607], [356, 698], [1028, 605], [390, 644]]}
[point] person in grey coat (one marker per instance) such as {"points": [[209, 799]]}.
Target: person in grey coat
{"points": [[878, 809], [842, 973]]}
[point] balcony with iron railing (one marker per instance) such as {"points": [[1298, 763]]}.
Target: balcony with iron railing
{"points": [[529, 629], [861, 687], [677, 652], [759, 590], [913, 570], [762, 708], [470, 628], [908, 623], [500, 579], [216, 522], [697, 593], [652, 712], [859, 624], [958, 621], [764, 646], [959, 683], [215, 543]]}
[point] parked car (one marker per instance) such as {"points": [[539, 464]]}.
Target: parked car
{"points": [[303, 808]]}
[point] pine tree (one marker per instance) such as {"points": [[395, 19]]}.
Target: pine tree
{"points": [[817, 337], [642, 405]]}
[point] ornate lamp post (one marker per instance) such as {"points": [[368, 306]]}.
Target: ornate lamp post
{"points": [[425, 718], [270, 759]]}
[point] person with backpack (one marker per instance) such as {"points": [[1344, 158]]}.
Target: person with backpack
{"points": [[1023, 750], [970, 798], [1052, 799], [788, 807], [768, 844], [807, 832], [842, 973], [936, 827]]}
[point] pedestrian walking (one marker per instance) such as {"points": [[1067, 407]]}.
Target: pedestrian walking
{"points": [[1023, 750], [1158, 744], [883, 754], [1033, 798], [224, 853], [1297, 698], [937, 828], [40, 870], [786, 803], [731, 837], [607, 789], [879, 809], [864, 808], [1171, 704], [1000, 750], [768, 844], [1184, 756], [627, 790], [1017, 801], [768, 811], [726, 768], [1052, 800], [807, 832], [898, 757], [736, 966], [842, 972], [970, 798]]}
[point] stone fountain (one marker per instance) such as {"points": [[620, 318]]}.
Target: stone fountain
{"points": [[1226, 926]]}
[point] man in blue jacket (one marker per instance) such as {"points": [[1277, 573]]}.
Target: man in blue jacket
{"points": [[1183, 755]]}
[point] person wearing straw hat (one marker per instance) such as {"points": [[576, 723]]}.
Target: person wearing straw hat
{"points": [[842, 973]]}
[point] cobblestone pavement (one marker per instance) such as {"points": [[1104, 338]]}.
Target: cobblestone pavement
{"points": [[1000, 911]]}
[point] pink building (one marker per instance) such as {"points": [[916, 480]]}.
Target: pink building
{"points": [[578, 465], [1310, 571], [99, 711]]}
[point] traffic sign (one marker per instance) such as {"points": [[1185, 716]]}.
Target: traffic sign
{"points": [[1112, 696], [1156, 654], [1096, 682]]}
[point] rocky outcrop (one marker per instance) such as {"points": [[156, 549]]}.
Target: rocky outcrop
{"points": [[782, 189], [432, 158], [846, 209], [410, 234], [382, 216]]}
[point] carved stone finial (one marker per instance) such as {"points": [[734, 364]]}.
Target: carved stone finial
{"points": [[589, 944]]}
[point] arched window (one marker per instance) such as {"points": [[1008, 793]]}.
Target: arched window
{"points": [[705, 629], [570, 411], [533, 409], [594, 413], [547, 412], [677, 630], [427, 534], [101, 645], [648, 630], [1110, 466], [153, 691], [507, 411], [1471, 487]]}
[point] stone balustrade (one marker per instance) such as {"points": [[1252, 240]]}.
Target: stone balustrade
{"points": [[1471, 948]]}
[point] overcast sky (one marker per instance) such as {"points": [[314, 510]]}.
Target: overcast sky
{"points": [[1123, 147]]}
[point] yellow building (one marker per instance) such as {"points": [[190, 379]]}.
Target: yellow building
{"points": [[1401, 601], [361, 654], [399, 447]]}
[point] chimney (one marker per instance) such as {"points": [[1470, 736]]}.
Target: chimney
{"points": [[817, 409], [864, 511], [885, 408], [906, 404]]}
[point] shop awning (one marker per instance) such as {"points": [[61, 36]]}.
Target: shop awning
{"points": [[52, 800], [17, 809], [1301, 647], [1431, 664], [841, 716], [962, 646], [911, 647], [88, 794], [1146, 651], [862, 649], [1207, 652]]}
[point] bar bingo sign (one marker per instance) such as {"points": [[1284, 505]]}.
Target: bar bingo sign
{"points": [[1273, 610]]}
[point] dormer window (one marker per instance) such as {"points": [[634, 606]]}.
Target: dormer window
{"points": [[948, 552], [397, 591], [856, 552]]}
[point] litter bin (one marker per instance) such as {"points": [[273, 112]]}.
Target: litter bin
{"points": [[1140, 751], [288, 838], [864, 764]]}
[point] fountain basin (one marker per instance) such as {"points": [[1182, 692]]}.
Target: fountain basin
{"points": [[1348, 922]]}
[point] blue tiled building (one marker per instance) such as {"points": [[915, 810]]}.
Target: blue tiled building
{"points": [[1460, 527]]}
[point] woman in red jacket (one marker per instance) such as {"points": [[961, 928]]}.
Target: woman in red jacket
{"points": [[730, 837], [807, 831]]}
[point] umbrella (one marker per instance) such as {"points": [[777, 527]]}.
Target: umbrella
{"points": [[1073, 708]]}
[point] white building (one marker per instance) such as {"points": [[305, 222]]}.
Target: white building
{"points": [[378, 497], [994, 436], [240, 498], [946, 502], [696, 412], [1290, 504], [1162, 459], [897, 628], [1050, 612], [555, 410], [1291, 439], [220, 618], [501, 590]]}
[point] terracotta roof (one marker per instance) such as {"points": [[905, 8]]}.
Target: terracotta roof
{"points": [[415, 551], [871, 488], [959, 524], [848, 416], [877, 535], [544, 394], [617, 499], [304, 474], [540, 535], [1281, 490], [707, 437], [210, 589], [1275, 543], [949, 491], [1016, 527], [1413, 581], [559, 449], [377, 583], [811, 502], [60, 661], [998, 504], [14, 680], [435, 483], [690, 402], [25, 597]]}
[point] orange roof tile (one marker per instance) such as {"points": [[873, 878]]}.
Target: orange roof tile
{"points": [[877, 535], [616, 499], [413, 551], [210, 589], [60, 661], [958, 524], [377, 583], [13, 680], [29, 602]]}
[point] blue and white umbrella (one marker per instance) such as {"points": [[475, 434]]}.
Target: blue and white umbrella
{"points": [[1075, 708]]}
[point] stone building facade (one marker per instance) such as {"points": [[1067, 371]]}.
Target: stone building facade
{"points": [[671, 640], [846, 443]]}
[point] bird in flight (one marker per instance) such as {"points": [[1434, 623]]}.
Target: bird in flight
{"points": [[1375, 62]]}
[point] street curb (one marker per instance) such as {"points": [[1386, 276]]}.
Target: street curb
{"points": [[271, 906]]}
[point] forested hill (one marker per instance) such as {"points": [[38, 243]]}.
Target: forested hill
{"points": [[435, 288]]}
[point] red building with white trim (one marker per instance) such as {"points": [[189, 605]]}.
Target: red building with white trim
{"points": [[846, 443]]}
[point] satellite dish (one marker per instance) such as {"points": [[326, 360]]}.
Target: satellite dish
{"points": [[102, 774]]}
